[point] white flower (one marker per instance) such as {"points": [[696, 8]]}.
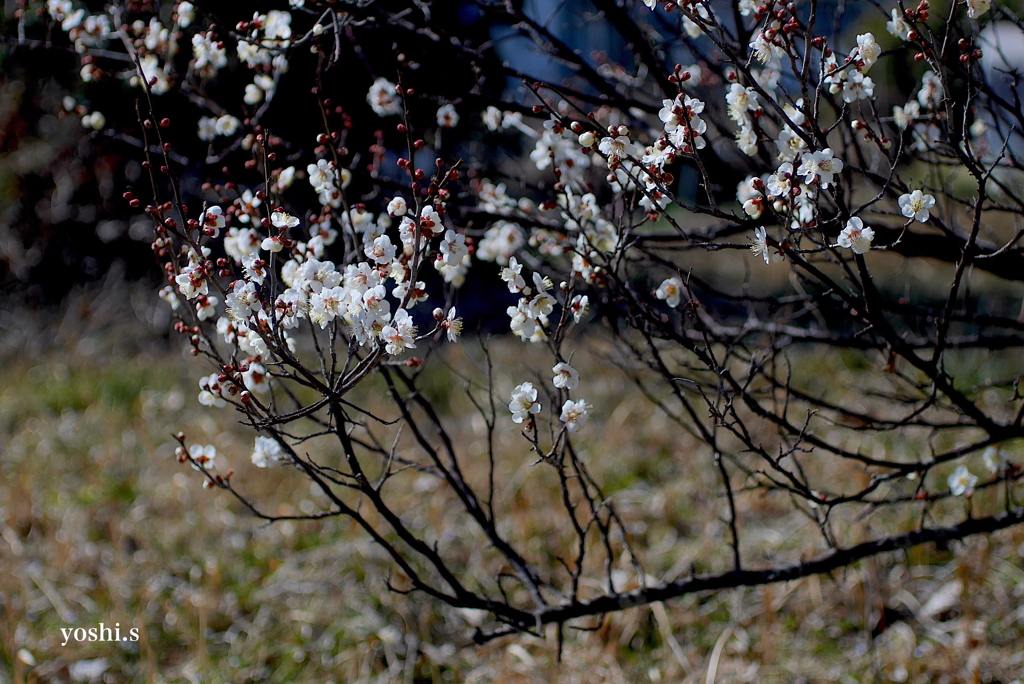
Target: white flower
{"points": [[492, 118], [272, 244], [780, 183], [203, 457], [524, 402], [931, 90], [856, 236], [322, 176], [566, 377], [578, 306], [961, 481], [857, 87], [453, 247], [253, 95], [916, 205], [167, 294], [226, 125], [214, 219], [741, 100], [186, 14], [618, 147], [995, 459], [210, 392], [587, 139], [670, 290], [868, 51], [746, 140], [327, 304], [243, 301], [575, 414], [280, 219], [511, 275], [447, 117], [766, 50], [206, 307], [58, 9], [207, 128], [975, 8], [381, 250], [400, 334], [397, 207], [266, 451], [819, 166], [904, 116], [383, 99], [898, 26], [255, 378], [96, 121], [192, 282], [452, 325], [759, 244]]}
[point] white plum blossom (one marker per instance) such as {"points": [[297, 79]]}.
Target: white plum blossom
{"points": [[280, 219], [819, 167], [383, 99], [397, 207], [904, 116], [226, 125], [167, 294], [780, 183], [322, 176], [916, 204], [381, 250], [206, 307], [670, 290], [447, 117], [453, 248], [400, 334], [995, 460], [328, 304], [213, 219], [511, 274], [500, 242], [209, 56], [759, 244], [256, 379], [741, 101], [453, 325], [203, 457], [975, 8], [266, 451], [192, 281], [618, 147], [243, 301], [868, 51], [578, 306], [856, 236], [524, 402], [767, 51], [898, 27], [566, 376], [186, 13], [857, 87], [961, 482], [210, 392], [575, 414], [931, 90]]}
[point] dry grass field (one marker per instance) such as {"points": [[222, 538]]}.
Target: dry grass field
{"points": [[99, 523]]}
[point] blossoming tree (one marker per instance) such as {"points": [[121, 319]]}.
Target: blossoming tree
{"points": [[728, 219]]}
